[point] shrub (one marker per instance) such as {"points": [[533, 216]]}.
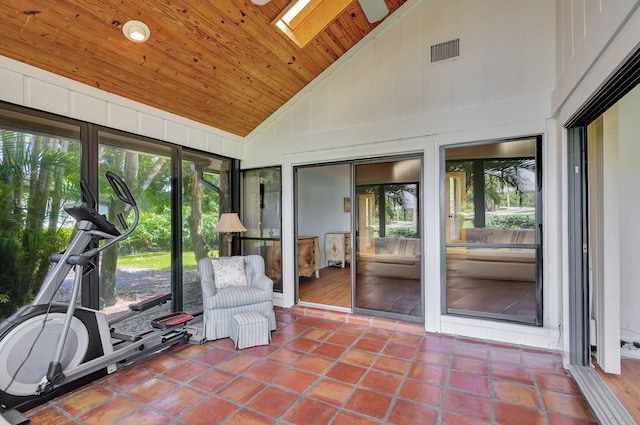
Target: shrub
{"points": [[512, 222], [402, 232], [153, 233]]}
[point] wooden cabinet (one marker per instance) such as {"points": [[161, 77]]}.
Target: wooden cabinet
{"points": [[308, 258], [274, 261], [337, 248]]}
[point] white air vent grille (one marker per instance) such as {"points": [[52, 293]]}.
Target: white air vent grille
{"points": [[447, 50]]}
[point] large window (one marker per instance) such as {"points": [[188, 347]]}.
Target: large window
{"points": [[139, 266], [205, 195], [39, 173], [491, 231], [180, 193]]}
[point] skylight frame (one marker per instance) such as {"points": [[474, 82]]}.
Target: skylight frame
{"points": [[303, 20]]}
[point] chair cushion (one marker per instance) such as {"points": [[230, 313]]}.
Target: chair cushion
{"points": [[229, 271], [235, 296]]}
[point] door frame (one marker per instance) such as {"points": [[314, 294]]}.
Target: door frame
{"points": [[621, 82]]}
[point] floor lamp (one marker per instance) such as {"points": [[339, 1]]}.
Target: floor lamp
{"points": [[229, 223]]}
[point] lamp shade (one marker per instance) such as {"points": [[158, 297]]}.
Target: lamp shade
{"points": [[230, 223]]}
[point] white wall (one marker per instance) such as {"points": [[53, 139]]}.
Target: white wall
{"points": [[387, 89], [25, 85], [593, 38], [385, 97], [321, 191]]}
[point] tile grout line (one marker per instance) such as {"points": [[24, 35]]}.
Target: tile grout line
{"points": [[445, 384], [396, 395]]}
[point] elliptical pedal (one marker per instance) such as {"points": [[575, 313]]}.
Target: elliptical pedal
{"points": [[171, 320], [149, 302]]}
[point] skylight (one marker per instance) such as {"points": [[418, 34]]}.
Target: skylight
{"points": [[304, 19], [295, 9]]}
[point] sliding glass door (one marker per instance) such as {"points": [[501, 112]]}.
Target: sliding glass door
{"points": [[359, 242], [323, 235], [388, 239]]}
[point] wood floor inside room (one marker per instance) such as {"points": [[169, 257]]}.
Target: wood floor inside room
{"points": [[333, 288], [626, 386]]}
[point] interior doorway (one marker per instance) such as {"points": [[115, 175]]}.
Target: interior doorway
{"points": [[323, 230]]}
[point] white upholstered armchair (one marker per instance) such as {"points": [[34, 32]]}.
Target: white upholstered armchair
{"points": [[232, 285]]}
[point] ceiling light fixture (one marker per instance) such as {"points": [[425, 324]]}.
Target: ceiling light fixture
{"points": [[136, 31], [374, 10]]}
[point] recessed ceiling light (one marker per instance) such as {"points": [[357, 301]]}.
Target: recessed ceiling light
{"points": [[136, 31]]}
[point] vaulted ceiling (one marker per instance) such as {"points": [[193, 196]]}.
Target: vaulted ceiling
{"points": [[219, 62]]}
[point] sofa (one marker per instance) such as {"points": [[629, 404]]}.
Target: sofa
{"points": [[391, 257], [220, 304], [513, 263]]}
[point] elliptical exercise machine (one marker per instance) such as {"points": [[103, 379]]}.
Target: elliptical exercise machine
{"points": [[48, 348]]}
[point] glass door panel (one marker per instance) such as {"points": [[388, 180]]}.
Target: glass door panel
{"points": [[388, 244], [204, 180], [324, 234], [492, 216], [139, 266], [262, 216]]}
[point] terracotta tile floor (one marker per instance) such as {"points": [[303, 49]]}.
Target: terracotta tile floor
{"points": [[319, 371]]}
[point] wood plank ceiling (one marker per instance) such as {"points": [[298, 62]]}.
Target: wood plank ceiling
{"points": [[218, 62]]}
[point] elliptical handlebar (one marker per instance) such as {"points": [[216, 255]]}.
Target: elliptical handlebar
{"points": [[120, 188], [88, 210]]}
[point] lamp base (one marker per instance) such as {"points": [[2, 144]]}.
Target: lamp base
{"points": [[229, 240]]}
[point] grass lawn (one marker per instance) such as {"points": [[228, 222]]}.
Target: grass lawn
{"points": [[157, 260]]}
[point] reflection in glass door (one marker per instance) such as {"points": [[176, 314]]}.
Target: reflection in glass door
{"points": [[455, 197], [388, 244], [366, 207], [262, 216], [493, 218]]}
